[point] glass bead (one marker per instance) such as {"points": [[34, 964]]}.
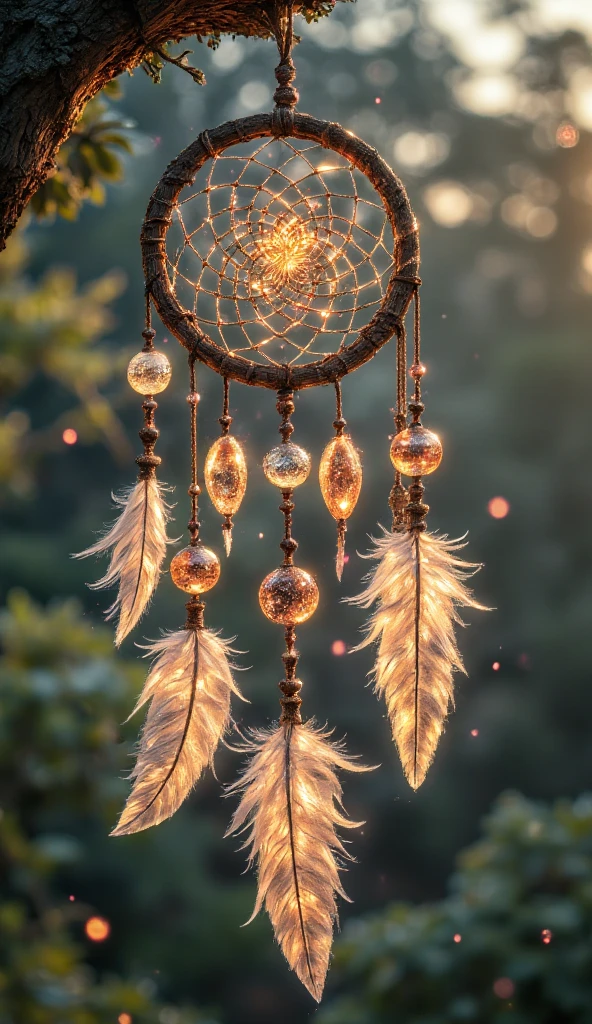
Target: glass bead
{"points": [[416, 451], [149, 372], [226, 474], [195, 569], [340, 476], [287, 466], [289, 595]]}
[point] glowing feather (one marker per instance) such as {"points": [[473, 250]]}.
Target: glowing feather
{"points": [[138, 543], [418, 586], [189, 688], [291, 805]]}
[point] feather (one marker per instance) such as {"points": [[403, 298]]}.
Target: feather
{"points": [[291, 805], [138, 541], [189, 688], [418, 586]]}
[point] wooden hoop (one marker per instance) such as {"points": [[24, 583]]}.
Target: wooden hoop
{"points": [[386, 321]]}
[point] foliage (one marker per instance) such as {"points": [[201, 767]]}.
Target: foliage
{"points": [[63, 693], [87, 161], [511, 943], [49, 331]]}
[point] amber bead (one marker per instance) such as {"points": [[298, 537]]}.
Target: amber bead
{"points": [[226, 474], [195, 569], [289, 595], [340, 476], [287, 466], [149, 372], [416, 451]]}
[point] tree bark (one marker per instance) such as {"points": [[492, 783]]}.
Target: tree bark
{"points": [[55, 55]]}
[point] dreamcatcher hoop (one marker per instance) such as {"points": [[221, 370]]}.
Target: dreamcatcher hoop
{"points": [[184, 324]]}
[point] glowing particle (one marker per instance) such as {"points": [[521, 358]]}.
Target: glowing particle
{"points": [[69, 436], [567, 136], [496, 666], [338, 647], [261, 535], [458, 937], [504, 988], [124, 1018], [71, 898], [498, 507], [377, 99], [474, 732], [546, 936], [97, 929]]}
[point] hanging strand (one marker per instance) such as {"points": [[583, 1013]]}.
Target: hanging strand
{"points": [[285, 96], [194, 488]]}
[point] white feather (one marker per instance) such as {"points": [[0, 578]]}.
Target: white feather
{"points": [[291, 806], [137, 541], [189, 688], [418, 586]]}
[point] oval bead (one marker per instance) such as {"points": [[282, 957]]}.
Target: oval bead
{"points": [[416, 451], [287, 466], [149, 373], [288, 595], [225, 474], [340, 477], [195, 569]]}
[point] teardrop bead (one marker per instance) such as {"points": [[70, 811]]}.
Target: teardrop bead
{"points": [[226, 474], [340, 476]]}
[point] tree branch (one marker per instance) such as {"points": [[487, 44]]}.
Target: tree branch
{"points": [[55, 55]]}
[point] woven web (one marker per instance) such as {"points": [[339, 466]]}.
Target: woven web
{"points": [[283, 253]]}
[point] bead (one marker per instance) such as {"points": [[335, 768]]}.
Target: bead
{"points": [[288, 595], [226, 474], [193, 398], [287, 466], [149, 373], [340, 476], [195, 569], [417, 370], [416, 451]]}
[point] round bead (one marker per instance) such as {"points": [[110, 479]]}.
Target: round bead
{"points": [[416, 451], [195, 569], [289, 595], [287, 466], [417, 370], [193, 398], [149, 372]]}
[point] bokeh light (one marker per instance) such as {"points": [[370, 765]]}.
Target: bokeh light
{"points": [[567, 136], [124, 1018], [504, 988], [69, 436], [338, 648], [498, 507], [546, 936], [97, 929]]}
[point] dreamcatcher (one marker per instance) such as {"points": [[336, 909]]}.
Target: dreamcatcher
{"points": [[293, 245]]}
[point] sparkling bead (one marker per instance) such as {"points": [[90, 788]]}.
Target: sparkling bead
{"points": [[417, 370], [193, 398], [416, 451], [287, 466], [149, 373], [289, 595], [226, 474], [340, 476], [195, 569]]}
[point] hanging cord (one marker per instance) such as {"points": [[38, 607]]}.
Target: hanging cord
{"points": [[194, 488], [281, 18]]}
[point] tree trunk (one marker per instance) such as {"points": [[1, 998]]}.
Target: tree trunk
{"points": [[55, 55]]}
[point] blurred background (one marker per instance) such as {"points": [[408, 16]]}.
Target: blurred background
{"points": [[485, 110]]}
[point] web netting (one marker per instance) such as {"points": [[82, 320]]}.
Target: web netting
{"points": [[282, 250]]}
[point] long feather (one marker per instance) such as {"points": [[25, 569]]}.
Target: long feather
{"points": [[189, 688], [137, 541], [291, 806], [418, 586]]}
